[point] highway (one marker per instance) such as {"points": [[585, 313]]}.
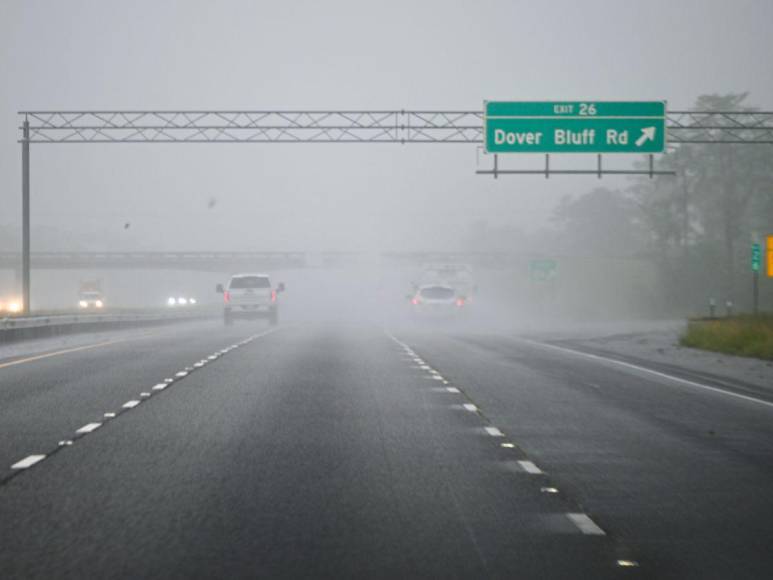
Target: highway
{"points": [[334, 450]]}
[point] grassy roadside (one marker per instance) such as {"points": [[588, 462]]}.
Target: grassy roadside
{"points": [[743, 335]]}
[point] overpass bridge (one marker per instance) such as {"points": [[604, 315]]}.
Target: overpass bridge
{"points": [[245, 261]]}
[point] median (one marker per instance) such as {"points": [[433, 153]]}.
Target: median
{"points": [[743, 335]]}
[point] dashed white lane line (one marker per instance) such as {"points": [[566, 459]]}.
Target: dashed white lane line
{"points": [[437, 378], [470, 407], [586, 525], [28, 461], [90, 427], [530, 467], [453, 390], [494, 432]]}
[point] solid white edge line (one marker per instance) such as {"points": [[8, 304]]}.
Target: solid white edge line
{"points": [[650, 371], [89, 427], [586, 525], [530, 467], [28, 461]]}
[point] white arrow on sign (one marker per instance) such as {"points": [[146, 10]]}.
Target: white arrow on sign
{"points": [[647, 134]]}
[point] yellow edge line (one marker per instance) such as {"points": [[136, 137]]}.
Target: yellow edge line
{"points": [[60, 352]]}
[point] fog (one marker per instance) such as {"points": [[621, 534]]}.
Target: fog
{"points": [[373, 199]]}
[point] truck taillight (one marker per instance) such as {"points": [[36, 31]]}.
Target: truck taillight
{"points": [[273, 296], [227, 296]]}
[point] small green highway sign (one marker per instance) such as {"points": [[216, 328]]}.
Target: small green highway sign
{"points": [[542, 269], [756, 257], [575, 126]]}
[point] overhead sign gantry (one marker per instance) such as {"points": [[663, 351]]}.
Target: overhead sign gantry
{"points": [[385, 126]]}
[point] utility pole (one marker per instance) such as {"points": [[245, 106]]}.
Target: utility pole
{"points": [[25, 218]]}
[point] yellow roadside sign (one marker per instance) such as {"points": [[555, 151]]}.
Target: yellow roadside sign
{"points": [[769, 253]]}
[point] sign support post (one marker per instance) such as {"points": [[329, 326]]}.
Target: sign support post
{"points": [[756, 264], [25, 219]]}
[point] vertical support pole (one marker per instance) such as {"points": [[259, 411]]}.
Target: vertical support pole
{"points": [[547, 165], [756, 291], [652, 165], [496, 166], [598, 166], [25, 217]]}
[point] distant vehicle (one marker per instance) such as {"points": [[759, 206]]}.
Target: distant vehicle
{"points": [[181, 301], [10, 305], [456, 276], [250, 296], [90, 294], [437, 301], [91, 299]]}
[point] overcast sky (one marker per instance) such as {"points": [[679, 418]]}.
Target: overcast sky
{"points": [[338, 55]]}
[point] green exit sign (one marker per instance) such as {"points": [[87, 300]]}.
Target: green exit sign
{"points": [[575, 126], [756, 257], [542, 269]]}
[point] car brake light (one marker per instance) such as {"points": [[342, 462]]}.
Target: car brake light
{"points": [[460, 301], [227, 296], [415, 301], [273, 296]]}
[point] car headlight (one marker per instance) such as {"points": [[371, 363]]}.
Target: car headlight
{"points": [[99, 304], [83, 304], [171, 302], [14, 306], [182, 301], [191, 301]]}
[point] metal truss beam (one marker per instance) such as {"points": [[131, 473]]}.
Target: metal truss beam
{"points": [[737, 127], [255, 126]]}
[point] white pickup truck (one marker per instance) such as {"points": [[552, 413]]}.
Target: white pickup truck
{"points": [[250, 296]]}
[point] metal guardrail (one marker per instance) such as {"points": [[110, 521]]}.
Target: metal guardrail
{"points": [[19, 328], [62, 319]]}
